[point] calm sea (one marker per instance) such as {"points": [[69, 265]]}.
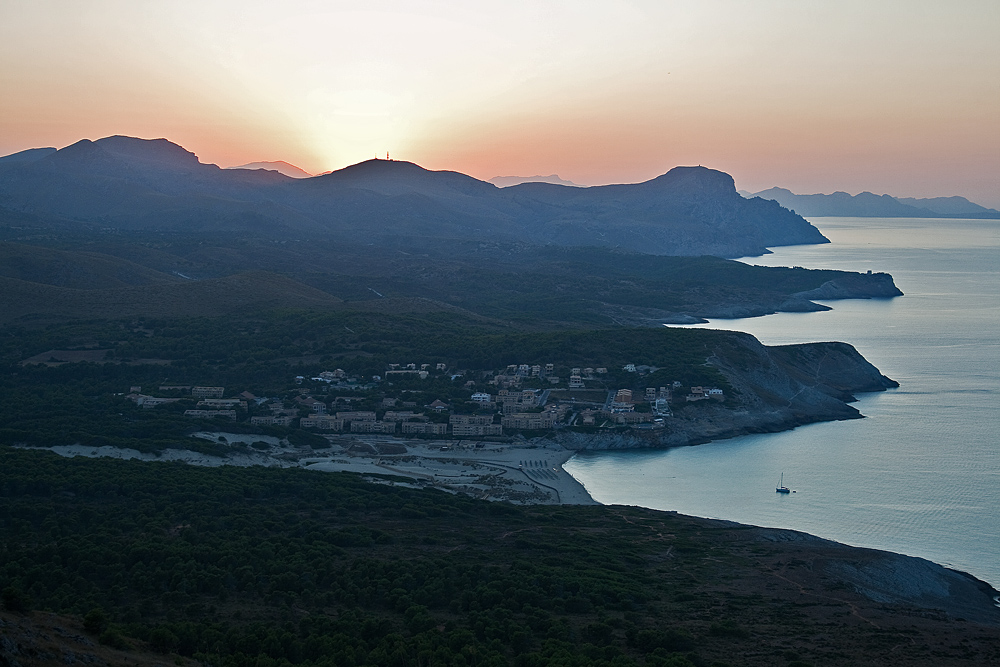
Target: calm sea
{"points": [[921, 474]]}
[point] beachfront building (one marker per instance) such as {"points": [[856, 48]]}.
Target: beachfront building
{"points": [[529, 421], [322, 422], [622, 401], [423, 428], [357, 416], [630, 417], [373, 427], [474, 425], [270, 420]]}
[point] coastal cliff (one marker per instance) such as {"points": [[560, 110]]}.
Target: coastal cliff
{"points": [[774, 388], [855, 286], [740, 304]]}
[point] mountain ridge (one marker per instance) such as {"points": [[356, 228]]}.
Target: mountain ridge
{"points": [[554, 179], [280, 166], [867, 204], [153, 184]]}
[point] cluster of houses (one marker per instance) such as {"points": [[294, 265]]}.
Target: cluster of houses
{"points": [[509, 408], [337, 378], [515, 374], [210, 404], [463, 425], [705, 393]]}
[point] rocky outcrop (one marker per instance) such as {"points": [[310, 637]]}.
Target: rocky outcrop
{"points": [[855, 286], [891, 578], [836, 369]]}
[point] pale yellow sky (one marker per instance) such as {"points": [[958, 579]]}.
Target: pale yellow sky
{"points": [[893, 96]]}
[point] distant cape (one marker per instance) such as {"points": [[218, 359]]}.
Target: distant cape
{"points": [[868, 205]]}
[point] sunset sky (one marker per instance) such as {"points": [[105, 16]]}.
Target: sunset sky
{"points": [[895, 96]]}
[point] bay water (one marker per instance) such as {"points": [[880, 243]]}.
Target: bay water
{"points": [[920, 475]]}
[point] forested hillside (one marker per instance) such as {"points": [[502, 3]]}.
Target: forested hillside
{"points": [[238, 567]]}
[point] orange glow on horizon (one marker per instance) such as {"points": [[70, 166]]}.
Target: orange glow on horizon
{"points": [[895, 97]]}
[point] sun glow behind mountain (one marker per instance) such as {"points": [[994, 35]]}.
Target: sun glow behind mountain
{"points": [[891, 96]]}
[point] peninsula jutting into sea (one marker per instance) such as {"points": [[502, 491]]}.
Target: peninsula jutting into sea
{"points": [[450, 344]]}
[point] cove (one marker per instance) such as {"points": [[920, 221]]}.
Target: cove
{"points": [[921, 474]]}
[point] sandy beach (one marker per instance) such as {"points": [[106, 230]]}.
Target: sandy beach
{"points": [[521, 473]]}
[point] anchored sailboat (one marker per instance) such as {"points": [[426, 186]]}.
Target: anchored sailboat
{"points": [[781, 488]]}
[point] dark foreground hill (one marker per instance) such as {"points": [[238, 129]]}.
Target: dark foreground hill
{"points": [[126, 183], [151, 563]]}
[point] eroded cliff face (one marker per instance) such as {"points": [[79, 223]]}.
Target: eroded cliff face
{"points": [[772, 389], [836, 369]]}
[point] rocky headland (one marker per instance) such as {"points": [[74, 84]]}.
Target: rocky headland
{"points": [[855, 286], [776, 388], [737, 304]]}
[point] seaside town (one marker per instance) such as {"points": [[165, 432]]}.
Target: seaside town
{"points": [[518, 398], [479, 433]]}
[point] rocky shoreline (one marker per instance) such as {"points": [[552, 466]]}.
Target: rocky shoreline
{"points": [[776, 388], [847, 286], [895, 581]]}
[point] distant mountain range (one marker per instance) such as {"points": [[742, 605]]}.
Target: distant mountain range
{"points": [[279, 166], [507, 181], [133, 184], [868, 205]]}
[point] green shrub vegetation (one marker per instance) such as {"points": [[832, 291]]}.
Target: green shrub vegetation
{"points": [[268, 566], [242, 567]]}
